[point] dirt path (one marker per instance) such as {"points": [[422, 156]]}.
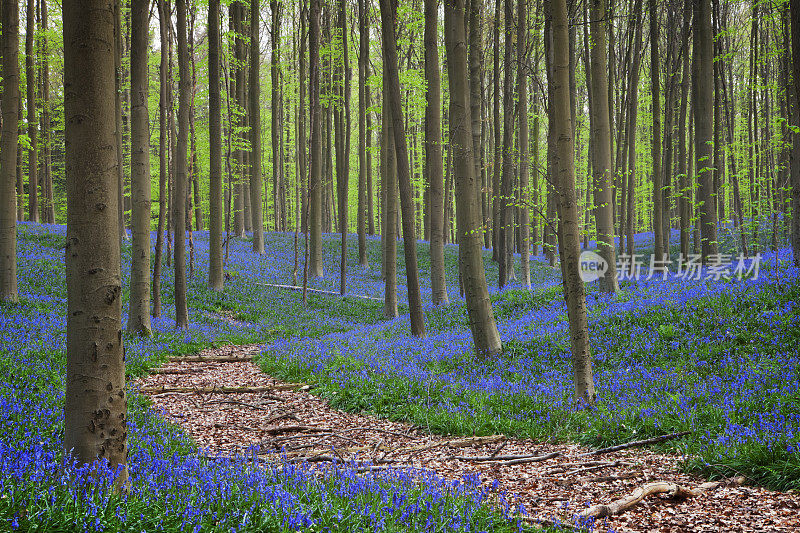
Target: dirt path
{"points": [[306, 428]]}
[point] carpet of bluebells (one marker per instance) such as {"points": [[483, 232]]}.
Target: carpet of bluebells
{"points": [[715, 352], [172, 486]]}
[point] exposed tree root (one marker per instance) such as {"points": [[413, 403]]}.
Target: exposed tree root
{"points": [[672, 490]]}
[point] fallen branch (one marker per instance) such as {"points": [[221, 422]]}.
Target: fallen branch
{"points": [[636, 443], [277, 416], [292, 429], [456, 443], [236, 402], [531, 459], [594, 467], [320, 291], [672, 490], [481, 458]]}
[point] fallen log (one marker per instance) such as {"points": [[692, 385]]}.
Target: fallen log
{"points": [[320, 291], [672, 490], [482, 458], [637, 443], [165, 389]]}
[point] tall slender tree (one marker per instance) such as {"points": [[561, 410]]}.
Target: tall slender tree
{"points": [[181, 168], [655, 74], [139, 312], [388, 16], [163, 153], [30, 84], [468, 210], [255, 129], [703, 105], [569, 236], [794, 10], [524, 172], [363, 59], [95, 410], [216, 280], [9, 106], [433, 151], [315, 180], [342, 119], [601, 145]]}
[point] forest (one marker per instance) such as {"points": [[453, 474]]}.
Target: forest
{"points": [[356, 265]]}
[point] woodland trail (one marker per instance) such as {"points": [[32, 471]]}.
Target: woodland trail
{"points": [[207, 399]]}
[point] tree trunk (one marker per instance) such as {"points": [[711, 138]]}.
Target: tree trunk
{"points": [[389, 192], [633, 106], [468, 209], [498, 149], [275, 8], [315, 182], [433, 152], [703, 98], [139, 311], [505, 254], [655, 85], [181, 168], [363, 58], [574, 292], [794, 7], [522, 96], [95, 412], [216, 280], [683, 167], [9, 105], [343, 144], [601, 146], [237, 84], [163, 151], [30, 77], [48, 211], [256, 186], [388, 16]]}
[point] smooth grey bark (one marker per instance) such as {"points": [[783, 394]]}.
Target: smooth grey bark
{"points": [[601, 147], [139, 310], [9, 106], [505, 254], [388, 16], [315, 181], [363, 58], [794, 10], [524, 171], [433, 152], [703, 100], [655, 136], [569, 235], [181, 168], [256, 185], [468, 209], [30, 86], [216, 280], [95, 410]]}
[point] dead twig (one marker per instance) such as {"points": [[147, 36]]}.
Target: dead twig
{"points": [[636, 443], [532, 459]]}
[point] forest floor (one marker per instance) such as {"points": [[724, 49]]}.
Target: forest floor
{"points": [[552, 481], [715, 362]]}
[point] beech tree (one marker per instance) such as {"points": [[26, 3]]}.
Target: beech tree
{"points": [[181, 168], [315, 178], [255, 130], [9, 105], [95, 411], [139, 311], [30, 84], [468, 210], [433, 152], [388, 16], [703, 105], [569, 236], [601, 146], [795, 168], [216, 280]]}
